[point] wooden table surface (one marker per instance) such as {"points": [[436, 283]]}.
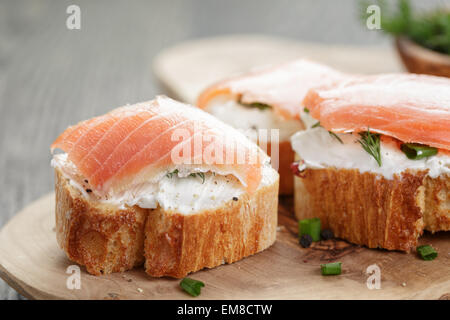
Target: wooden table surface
{"points": [[51, 77]]}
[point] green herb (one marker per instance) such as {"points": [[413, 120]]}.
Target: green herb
{"points": [[429, 29], [427, 252], [170, 174], [200, 174], [191, 286], [317, 124], [415, 151], [310, 227], [260, 106], [336, 136], [306, 110], [371, 143], [331, 268]]}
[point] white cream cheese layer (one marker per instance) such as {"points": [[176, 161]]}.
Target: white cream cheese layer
{"points": [[183, 194], [319, 149], [249, 118]]}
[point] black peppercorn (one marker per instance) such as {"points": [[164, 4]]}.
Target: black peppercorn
{"points": [[305, 241]]}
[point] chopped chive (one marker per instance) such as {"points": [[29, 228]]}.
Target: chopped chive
{"points": [[306, 110], [191, 286], [416, 151], [330, 269], [315, 125], [371, 144], [310, 227], [427, 252], [258, 105]]}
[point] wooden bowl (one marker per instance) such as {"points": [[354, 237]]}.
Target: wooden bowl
{"points": [[418, 59]]}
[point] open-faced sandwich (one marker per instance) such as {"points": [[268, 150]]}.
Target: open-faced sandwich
{"points": [[374, 164], [163, 183], [268, 99]]}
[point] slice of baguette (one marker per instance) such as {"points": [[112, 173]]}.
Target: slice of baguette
{"points": [[106, 239], [367, 209], [178, 244]]}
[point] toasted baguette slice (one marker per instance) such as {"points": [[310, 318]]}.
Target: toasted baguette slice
{"points": [[367, 209], [106, 239]]}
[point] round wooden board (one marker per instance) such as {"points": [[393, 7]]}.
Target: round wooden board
{"points": [[32, 263]]}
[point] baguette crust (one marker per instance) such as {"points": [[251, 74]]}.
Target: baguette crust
{"points": [[437, 204], [107, 239], [367, 209], [98, 236], [178, 244]]}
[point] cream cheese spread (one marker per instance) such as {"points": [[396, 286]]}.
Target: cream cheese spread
{"points": [[176, 192], [319, 149], [249, 118]]}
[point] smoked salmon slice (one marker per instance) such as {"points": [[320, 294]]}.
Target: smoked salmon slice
{"points": [[282, 87], [409, 107], [143, 142]]}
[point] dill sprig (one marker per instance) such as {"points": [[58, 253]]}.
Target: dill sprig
{"points": [[194, 174], [336, 136], [430, 29], [371, 144], [199, 174], [170, 174], [317, 124]]}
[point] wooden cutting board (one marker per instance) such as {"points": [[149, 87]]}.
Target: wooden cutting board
{"points": [[186, 69], [32, 263]]}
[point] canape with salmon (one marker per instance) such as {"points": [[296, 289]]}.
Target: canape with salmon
{"points": [[163, 183], [374, 163], [266, 99]]}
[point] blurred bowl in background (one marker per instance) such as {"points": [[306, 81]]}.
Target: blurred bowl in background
{"points": [[418, 59]]}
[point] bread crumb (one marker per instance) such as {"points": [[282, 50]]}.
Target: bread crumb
{"points": [[140, 290], [404, 284]]}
